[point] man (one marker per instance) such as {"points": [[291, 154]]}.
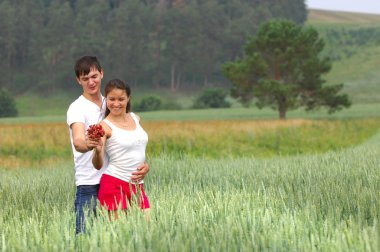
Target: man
{"points": [[87, 110]]}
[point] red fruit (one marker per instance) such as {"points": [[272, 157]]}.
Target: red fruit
{"points": [[95, 131]]}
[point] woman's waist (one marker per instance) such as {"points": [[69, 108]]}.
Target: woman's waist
{"points": [[127, 165], [124, 176]]}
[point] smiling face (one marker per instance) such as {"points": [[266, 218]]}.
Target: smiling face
{"points": [[91, 82], [117, 100]]}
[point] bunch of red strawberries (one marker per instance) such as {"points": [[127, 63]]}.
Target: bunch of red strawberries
{"points": [[95, 131]]}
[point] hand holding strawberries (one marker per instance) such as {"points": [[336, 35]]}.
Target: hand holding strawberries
{"points": [[94, 134]]}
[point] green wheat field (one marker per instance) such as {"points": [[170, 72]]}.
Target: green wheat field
{"points": [[320, 195]]}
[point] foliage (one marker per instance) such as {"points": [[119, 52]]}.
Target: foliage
{"points": [[7, 104], [282, 69], [212, 98], [153, 103], [148, 103]]}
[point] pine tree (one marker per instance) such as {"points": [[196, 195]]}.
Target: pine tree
{"points": [[282, 69]]}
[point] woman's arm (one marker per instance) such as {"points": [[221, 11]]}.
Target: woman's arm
{"points": [[140, 173], [98, 154]]}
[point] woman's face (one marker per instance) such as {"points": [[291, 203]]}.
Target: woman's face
{"points": [[117, 100]]}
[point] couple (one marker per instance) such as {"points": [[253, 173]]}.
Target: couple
{"points": [[118, 156]]}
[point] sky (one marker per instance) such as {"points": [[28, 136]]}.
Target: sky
{"points": [[362, 6]]}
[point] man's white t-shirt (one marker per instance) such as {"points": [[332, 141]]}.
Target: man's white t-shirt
{"points": [[85, 111]]}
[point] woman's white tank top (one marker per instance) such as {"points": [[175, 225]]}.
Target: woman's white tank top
{"points": [[125, 149]]}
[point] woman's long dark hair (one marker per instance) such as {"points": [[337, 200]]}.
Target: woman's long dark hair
{"points": [[118, 84]]}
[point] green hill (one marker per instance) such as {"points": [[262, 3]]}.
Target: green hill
{"points": [[353, 43]]}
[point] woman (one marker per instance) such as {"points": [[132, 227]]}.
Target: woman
{"points": [[124, 142]]}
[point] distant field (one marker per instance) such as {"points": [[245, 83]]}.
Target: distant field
{"points": [[336, 17]]}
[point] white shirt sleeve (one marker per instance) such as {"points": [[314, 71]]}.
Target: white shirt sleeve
{"points": [[75, 114]]}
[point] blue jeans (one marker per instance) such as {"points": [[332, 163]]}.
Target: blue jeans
{"points": [[85, 198]]}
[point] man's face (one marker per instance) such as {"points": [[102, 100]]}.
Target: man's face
{"points": [[91, 82]]}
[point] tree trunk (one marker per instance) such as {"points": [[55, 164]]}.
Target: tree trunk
{"points": [[172, 82], [282, 107], [282, 113], [178, 82], [205, 81], [157, 43], [157, 76]]}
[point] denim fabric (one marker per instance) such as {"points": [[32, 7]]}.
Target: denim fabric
{"points": [[85, 199]]}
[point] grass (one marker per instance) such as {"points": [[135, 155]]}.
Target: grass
{"points": [[33, 105], [355, 111], [30, 105], [237, 113], [326, 202]]}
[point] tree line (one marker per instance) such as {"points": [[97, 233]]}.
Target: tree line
{"points": [[173, 44]]}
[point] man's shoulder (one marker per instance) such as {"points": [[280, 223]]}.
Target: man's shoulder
{"points": [[76, 107], [78, 104]]}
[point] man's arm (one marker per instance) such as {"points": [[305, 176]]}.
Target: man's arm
{"points": [[81, 143], [141, 172]]}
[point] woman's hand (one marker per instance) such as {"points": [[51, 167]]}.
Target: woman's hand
{"points": [[99, 144], [139, 175], [93, 138], [92, 143]]}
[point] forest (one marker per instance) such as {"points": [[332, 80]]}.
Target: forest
{"points": [[155, 44]]}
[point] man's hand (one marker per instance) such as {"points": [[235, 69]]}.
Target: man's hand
{"points": [[139, 175], [80, 140], [92, 143]]}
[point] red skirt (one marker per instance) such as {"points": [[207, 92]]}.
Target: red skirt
{"points": [[116, 194]]}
